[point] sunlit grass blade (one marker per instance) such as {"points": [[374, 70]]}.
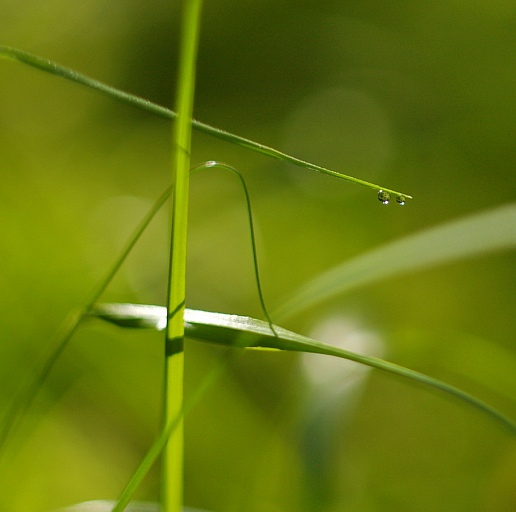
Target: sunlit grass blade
{"points": [[135, 101], [489, 231], [244, 332]]}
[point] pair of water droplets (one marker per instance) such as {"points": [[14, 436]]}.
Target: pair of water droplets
{"points": [[385, 197]]}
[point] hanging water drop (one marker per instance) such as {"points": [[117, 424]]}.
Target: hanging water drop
{"points": [[400, 200], [384, 197]]}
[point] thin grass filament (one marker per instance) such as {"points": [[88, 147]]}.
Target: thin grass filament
{"points": [[221, 165]]}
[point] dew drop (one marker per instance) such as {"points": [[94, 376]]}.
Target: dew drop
{"points": [[400, 200], [384, 197]]}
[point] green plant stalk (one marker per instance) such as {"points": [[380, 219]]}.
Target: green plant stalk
{"points": [[172, 483], [61, 71]]}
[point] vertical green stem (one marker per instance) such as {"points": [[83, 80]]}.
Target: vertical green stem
{"points": [[172, 491]]}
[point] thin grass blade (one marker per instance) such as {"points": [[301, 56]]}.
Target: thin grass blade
{"points": [[135, 101]]}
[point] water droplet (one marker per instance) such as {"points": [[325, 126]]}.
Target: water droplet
{"points": [[384, 197], [400, 200]]}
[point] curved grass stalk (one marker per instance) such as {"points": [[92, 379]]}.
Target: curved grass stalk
{"points": [[221, 165], [244, 332], [135, 101]]}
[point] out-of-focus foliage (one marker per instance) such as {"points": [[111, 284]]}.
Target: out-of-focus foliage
{"points": [[416, 95]]}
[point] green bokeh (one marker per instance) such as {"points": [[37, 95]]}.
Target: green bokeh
{"points": [[413, 95]]}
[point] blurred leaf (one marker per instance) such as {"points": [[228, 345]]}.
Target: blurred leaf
{"points": [[490, 231]]}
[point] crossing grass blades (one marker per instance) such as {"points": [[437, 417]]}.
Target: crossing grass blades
{"points": [[232, 331]]}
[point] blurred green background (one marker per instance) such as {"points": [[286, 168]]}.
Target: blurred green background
{"points": [[418, 96]]}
